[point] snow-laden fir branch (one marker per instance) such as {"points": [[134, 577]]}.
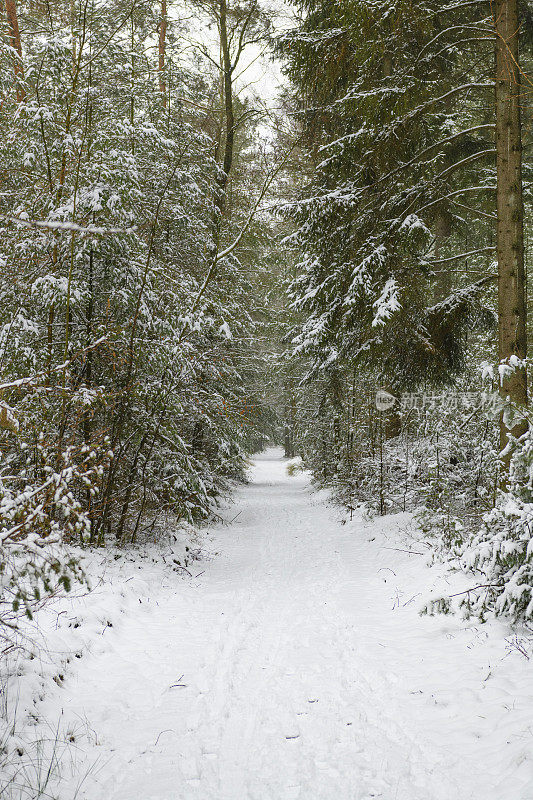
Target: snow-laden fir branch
{"points": [[68, 227]]}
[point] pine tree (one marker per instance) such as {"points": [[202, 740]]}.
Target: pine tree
{"points": [[510, 213]]}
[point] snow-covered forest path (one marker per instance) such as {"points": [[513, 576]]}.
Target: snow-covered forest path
{"points": [[295, 667]]}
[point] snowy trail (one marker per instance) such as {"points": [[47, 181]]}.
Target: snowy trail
{"points": [[295, 667]]}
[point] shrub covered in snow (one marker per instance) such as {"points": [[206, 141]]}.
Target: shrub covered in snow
{"points": [[38, 513], [498, 546], [502, 549]]}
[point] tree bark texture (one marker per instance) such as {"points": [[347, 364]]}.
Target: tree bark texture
{"points": [[510, 211]]}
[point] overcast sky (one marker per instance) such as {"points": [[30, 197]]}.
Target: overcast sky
{"points": [[258, 73]]}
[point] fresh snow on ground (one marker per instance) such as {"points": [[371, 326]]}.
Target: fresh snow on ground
{"points": [[292, 664]]}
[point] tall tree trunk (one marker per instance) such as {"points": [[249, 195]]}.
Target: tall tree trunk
{"points": [[227, 71], [162, 52], [443, 278], [132, 99], [510, 211], [14, 41]]}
